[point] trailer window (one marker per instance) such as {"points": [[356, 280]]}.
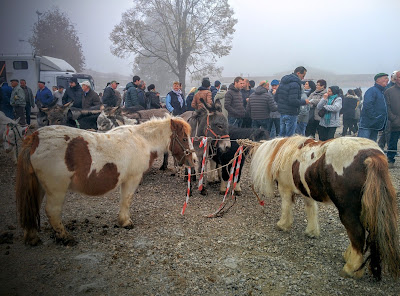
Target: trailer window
{"points": [[20, 65]]}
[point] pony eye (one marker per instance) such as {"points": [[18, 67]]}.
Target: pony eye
{"points": [[184, 139], [220, 127]]}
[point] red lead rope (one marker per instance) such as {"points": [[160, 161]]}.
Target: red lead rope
{"points": [[187, 191], [236, 163], [203, 162]]}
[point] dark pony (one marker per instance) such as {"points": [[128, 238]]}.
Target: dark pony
{"points": [[350, 172]]}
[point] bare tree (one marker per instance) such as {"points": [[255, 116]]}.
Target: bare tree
{"points": [[187, 35], [54, 35]]}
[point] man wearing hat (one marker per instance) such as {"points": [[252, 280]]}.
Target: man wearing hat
{"points": [[109, 96], [17, 101], [73, 93], [374, 112], [58, 95], [44, 97], [90, 98]]}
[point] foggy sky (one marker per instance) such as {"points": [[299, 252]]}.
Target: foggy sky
{"points": [[344, 37]]}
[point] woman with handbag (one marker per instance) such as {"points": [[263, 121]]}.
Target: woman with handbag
{"points": [[329, 111]]}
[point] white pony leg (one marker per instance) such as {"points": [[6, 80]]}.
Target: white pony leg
{"points": [[54, 204], [286, 219], [222, 187], [213, 176], [311, 208], [238, 189], [354, 260], [127, 190]]}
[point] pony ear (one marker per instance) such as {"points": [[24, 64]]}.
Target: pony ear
{"points": [[69, 104], [101, 107], [218, 105], [17, 120], [208, 107], [175, 125]]}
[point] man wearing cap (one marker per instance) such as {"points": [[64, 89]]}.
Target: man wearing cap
{"points": [[30, 101], [275, 117], [44, 97], [17, 101], [215, 89], [73, 93], [90, 99], [58, 95], [392, 96], [109, 96], [374, 112]]}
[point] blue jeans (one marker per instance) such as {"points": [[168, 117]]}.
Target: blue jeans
{"points": [[274, 127], [368, 133], [263, 123], [301, 128], [236, 122], [288, 125], [392, 146], [28, 113]]}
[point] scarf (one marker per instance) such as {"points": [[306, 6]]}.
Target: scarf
{"points": [[327, 116], [179, 95]]}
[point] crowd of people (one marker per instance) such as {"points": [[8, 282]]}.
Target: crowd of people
{"points": [[291, 105]]}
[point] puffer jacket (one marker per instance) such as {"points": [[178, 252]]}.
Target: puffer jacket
{"points": [[17, 97], [288, 95], [131, 97], [392, 96], [374, 110], [334, 109], [234, 103], [260, 104], [315, 98], [73, 94]]}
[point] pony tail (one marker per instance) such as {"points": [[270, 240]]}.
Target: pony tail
{"points": [[379, 216], [28, 191]]}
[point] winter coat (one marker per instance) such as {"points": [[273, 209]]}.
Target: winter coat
{"points": [[349, 106], [288, 95], [152, 100], [29, 99], [314, 99], [90, 99], [260, 104], [17, 97], [392, 96], [221, 97], [246, 94], [131, 98], [334, 109], [74, 94], [234, 103], [140, 96], [5, 100], [44, 97], [214, 92], [305, 109], [374, 110], [109, 97], [203, 93], [275, 114], [189, 100]]}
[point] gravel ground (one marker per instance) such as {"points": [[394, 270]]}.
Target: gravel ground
{"points": [[165, 253]]}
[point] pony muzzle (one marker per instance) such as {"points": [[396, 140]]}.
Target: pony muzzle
{"points": [[224, 144]]}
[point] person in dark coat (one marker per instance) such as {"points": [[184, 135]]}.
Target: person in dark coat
{"points": [[90, 99], [5, 98], [374, 111], [174, 100], [246, 91], [234, 103], [189, 99], [350, 102], [29, 99], [215, 89], [109, 97], [288, 97], [44, 97], [260, 105], [392, 96], [140, 93], [73, 93], [18, 101], [152, 98]]}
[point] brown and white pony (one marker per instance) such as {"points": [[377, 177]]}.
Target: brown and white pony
{"points": [[55, 159], [350, 172]]}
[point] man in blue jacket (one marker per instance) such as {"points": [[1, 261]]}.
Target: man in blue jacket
{"points": [[374, 112], [43, 96], [288, 97]]}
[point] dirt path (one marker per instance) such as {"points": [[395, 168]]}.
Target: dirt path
{"points": [[169, 254]]}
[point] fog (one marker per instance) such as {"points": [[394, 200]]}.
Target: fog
{"points": [[344, 37]]}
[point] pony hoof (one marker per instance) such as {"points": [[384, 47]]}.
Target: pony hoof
{"points": [[282, 228], [312, 234], [129, 226], [163, 168], [33, 242], [221, 192], [203, 191], [238, 193]]}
